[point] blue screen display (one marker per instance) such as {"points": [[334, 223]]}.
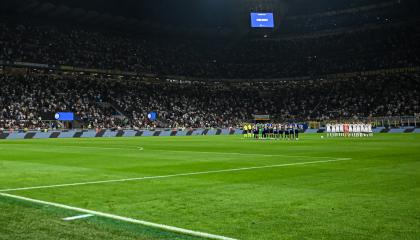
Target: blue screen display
{"points": [[152, 116], [64, 116], [262, 20]]}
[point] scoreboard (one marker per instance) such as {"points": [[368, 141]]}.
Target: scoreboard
{"points": [[262, 20]]}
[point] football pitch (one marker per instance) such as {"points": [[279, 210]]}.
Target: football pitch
{"points": [[219, 187]]}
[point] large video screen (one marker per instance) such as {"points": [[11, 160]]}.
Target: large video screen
{"points": [[64, 116], [262, 20]]}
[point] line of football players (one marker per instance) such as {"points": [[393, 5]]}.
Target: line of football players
{"points": [[349, 130], [272, 131]]}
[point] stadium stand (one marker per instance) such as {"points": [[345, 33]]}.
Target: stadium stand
{"points": [[310, 70], [389, 46], [100, 102]]}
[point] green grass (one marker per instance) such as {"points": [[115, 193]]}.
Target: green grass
{"points": [[376, 195]]}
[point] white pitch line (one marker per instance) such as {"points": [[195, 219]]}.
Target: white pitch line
{"points": [[121, 218], [78, 217], [173, 175]]}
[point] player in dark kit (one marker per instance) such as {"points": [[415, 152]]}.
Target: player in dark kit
{"points": [[292, 131], [286, 131], [270, 131], [281, 131], [276, 131], [255, 131]]}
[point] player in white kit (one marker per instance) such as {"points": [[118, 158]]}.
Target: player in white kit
{"points": [[328, 129]]}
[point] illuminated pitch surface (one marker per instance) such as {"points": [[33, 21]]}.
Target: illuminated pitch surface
{"points": [[375, 195]]}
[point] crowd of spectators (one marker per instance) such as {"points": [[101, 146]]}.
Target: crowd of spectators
{"points": [[31, 99], [384, 13], [311, 7], [27, 100], [384, 46]]}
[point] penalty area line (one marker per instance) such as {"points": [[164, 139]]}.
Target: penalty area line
{"points": [[175, 175], [121, 218], [78, 217]]}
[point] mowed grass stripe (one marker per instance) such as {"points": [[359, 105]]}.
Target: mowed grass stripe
{"points": [[174, 175], [45, 164], [27, 220], [147, 151], [121, 218]]}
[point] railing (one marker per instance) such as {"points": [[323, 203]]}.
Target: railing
{"points": [[387, 122]]}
